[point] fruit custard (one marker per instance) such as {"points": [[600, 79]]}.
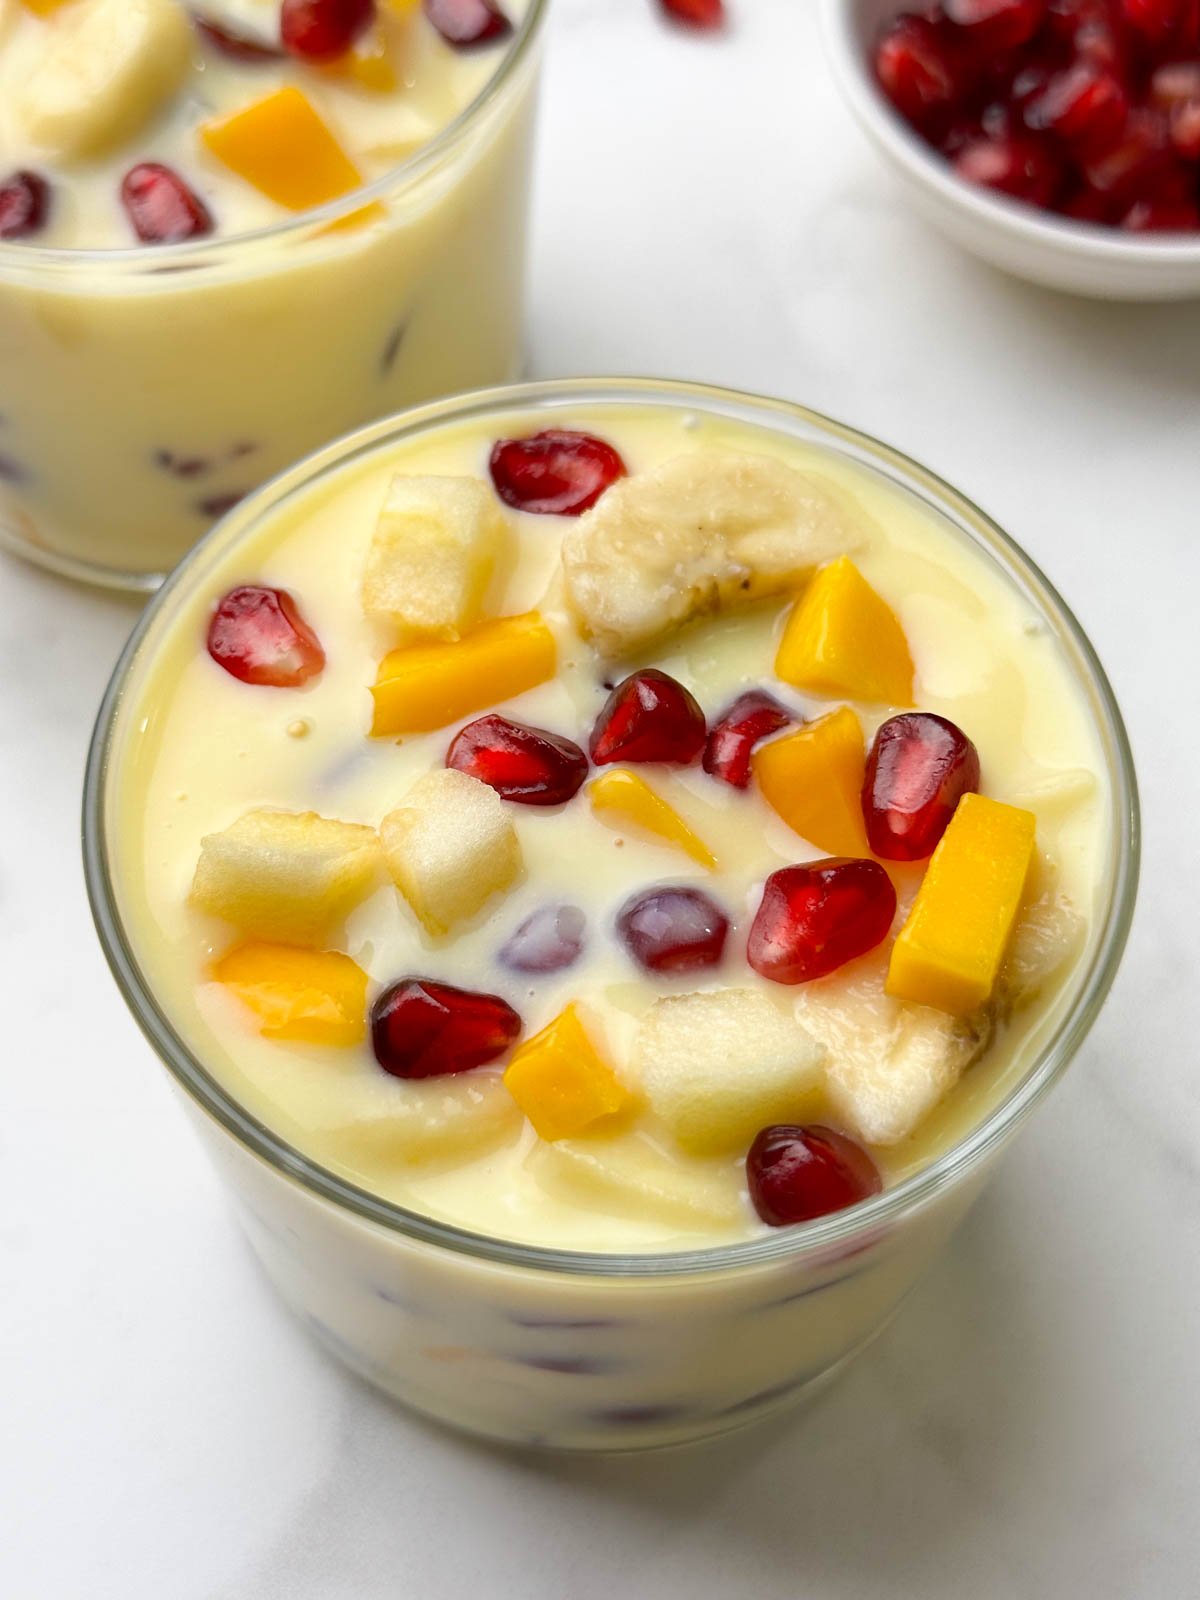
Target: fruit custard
{"points": [[179, 242]]}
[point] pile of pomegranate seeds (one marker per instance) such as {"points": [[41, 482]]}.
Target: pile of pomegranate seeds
{"points": [[554, 473], [464, 23], [527, 765], [24, 205], [259, 636], [795, 1174], [1090, 108], [673, 930], [423, 1029], [649, 716], [161, 207], [323, 30], [814, 918]]}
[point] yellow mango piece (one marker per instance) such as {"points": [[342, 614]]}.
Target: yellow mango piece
{"points": [[620, 798], [814, 779], [948, 954], [425, 686], [316, 996], [281, 146], [43, 8], [842, 639], [560, 1080]]}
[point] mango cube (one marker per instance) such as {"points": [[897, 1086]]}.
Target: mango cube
{"points": [[43, 8], [281, 146], [814, 777], [450, 845], [425, 686], [315, 996], [623, 799], [561, 1082], [843, 639], [949, 952]]}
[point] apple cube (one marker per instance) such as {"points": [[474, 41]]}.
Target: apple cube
{"points": [[628, 1177], [450, 845], [1048, 935], [438, 1120]]}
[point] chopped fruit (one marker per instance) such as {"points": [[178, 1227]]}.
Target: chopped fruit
{"points": [[371, 64], [435, 546], [622, 799], [43, 8], [628, 1176], [814, 918], [550, 940], [422, 687], [161, 207], [699, 14], [1048, 934], [450, 845], [649, 717], [718, 1067], [919, 768], [554, 473], [1155, 20], [702, 533], [24, 205], [814, 778], [286, 876], [1161, 215], [323, 30], [419, 1121], [1084, 104], [1021, 167], [673, 930], [464, 23], [561, 1082], [797, 1173], [526, 765], [842, 639], [314, 996], [423, 1029], [751, 718], [237, 46], [259, 636], [282, 147], [918, 68], [994, 25], [949, 952]]}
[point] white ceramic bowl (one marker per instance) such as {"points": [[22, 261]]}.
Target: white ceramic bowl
{"points": [[1079, 257]]}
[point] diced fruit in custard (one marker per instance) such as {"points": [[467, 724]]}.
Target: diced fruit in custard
{"points": [[281, 147], [323, 30], [752, 717], [561, 1081], [434, 549], [795, 1174], [814, 918], [286, 876], [24, 205], [108, 67], [549, 940], [555, 472], [621, 799], [464, 23], [649, 716], [371, 63], [700, 14], [424, 1029], [231, 41], [450, 845], [259, 636], [1048, 935], [701, 533], [718, 1067], [430, 1121], [843, 639], [40, 8], [313, 996], [161, 206], [673, 930], [949, 952], [528, 766], [628, 1176], [814, 777], [919, 768], [422, 687]]}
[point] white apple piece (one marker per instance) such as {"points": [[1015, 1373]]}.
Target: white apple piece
{"points": [[628, 1177], [450, 845]]}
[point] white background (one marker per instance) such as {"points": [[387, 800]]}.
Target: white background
{"points": [[1031, 1424]]}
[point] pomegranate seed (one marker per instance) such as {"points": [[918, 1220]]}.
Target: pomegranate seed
{"points": [[814, 918], [1161, 215], [323, 30], [649, 717], [1138, 160], [554, 473], [1154, 20], [463, 23], [24, 205], [996, 24], [750, 718], [237, 46], [1185, 129], [1020, 167], [919, 768], [259, 636], [424, 1029], [701, 14], [1083, 105], [161, 207], [528, 765], [918, 69], [1175, 84], [673, 930], [795, 1174], [1086, 205], [548, 941]]}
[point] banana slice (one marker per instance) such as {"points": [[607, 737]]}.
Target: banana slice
{"points": [[109, 65], [701, 533]]}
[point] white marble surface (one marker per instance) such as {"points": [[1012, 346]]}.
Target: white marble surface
{"points": [[1030, 1425]]}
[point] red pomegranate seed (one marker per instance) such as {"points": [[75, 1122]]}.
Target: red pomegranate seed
{"points": [[918, 69], [161, 207], [649, 717], [673, 930], [1084, 105], [919, 768], [1175, 84], [1138, 160], [259, 636], [323, 30], [1156, 20], [554, 473], [1016, 166], [24, 205], [237, 46], [814, 918], [702, 14], [548, 941], [528, 765], [795, 1174], [1185, 129], [424, 1029], [463, 23], [750, 718], [996, 24], [1161, 215]]}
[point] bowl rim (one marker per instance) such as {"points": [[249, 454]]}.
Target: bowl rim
{"points": [[825, 1238]]}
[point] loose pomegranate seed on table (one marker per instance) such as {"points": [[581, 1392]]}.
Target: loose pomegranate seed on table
{"points": [[423, 1029], [527, 765], [798, 1173], [814, 918], [751, 718], [464, 23], [649, 717], [323, 30], [919, 768], [699, 14], [673, 929], [24, 205], [161, 206], [554, 473], [549, 940], [259, 636]]}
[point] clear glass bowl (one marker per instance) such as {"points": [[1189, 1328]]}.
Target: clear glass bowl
{"points": [[143, 391], [570, 1349]]}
